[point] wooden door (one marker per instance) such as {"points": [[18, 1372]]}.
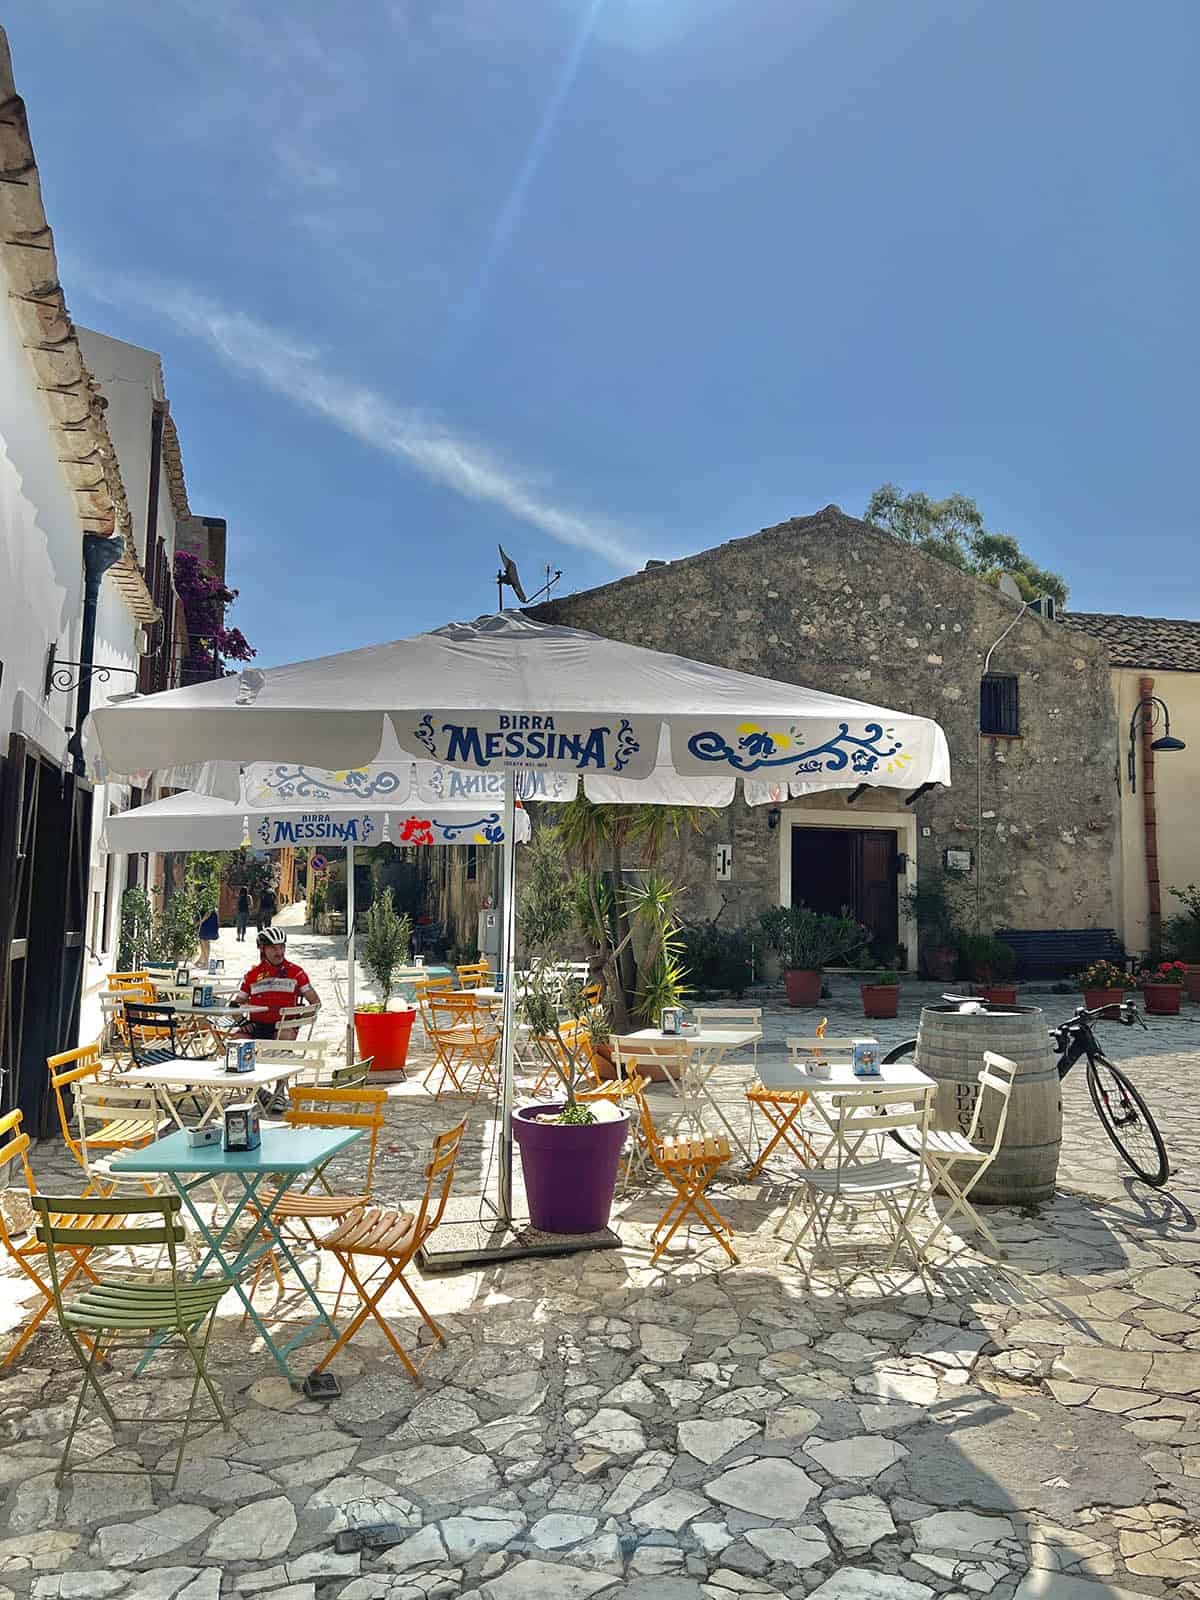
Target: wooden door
{"points": [[877, 904], [19, 786]]}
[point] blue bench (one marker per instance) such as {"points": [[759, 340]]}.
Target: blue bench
{"points": [[1061, 952]]}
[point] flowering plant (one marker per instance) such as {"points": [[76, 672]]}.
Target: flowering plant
{"points": [[1166, 972], [1104, 975], [204, 596]]}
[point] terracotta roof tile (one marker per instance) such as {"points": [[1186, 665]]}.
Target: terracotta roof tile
{"points": [[1159, 644]]}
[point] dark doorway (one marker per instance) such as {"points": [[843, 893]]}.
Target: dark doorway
{"points": [[855, 867], [45, 824]]}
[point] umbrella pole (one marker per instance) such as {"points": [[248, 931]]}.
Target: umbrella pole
{"points": [[350, 958], [507, 966]]}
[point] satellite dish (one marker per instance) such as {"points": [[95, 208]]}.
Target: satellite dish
{"points": [[509, 575], [1007, 585]]}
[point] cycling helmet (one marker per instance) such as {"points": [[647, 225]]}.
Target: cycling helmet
{"points": [[272, 936]]}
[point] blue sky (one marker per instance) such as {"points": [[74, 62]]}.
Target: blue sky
{"points": [[612, 279]]}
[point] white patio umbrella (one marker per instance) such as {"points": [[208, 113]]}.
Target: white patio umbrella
{"points": [[191, 821], [509, 695]]}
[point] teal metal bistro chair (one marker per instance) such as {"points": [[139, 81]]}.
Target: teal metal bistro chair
{"points": [[162, 1305]]}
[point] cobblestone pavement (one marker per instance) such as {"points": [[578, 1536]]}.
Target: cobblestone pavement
{"points": [[1032, 1428]]}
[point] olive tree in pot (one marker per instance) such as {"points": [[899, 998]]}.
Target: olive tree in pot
{"points": [[807, 941], [569, 1150], [383, 1034]]}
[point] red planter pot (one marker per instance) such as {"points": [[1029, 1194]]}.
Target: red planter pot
{"points": [[1094, 998], [384, 1035], [803, 988], [998, 994], [570, 1172], [880, 1000], [1163, 999]]}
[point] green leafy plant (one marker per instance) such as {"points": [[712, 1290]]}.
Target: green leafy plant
{"points": [[244, 870], [936, 904], [886, 978], [546, 910], [135, 942], [983, 955], [718, 958], [807, 940], [386, 942], [1181, 933]]}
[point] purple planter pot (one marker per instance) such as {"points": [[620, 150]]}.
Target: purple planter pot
{"points": [[570, 1172]]}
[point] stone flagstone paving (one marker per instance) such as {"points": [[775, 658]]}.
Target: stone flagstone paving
{"points": [[1030, 1429]]}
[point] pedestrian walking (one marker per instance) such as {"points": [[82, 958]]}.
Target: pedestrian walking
{"points": [[267, 906], [243, 913], [208, 929]]}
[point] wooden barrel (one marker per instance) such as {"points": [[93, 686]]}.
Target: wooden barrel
{"points": [[950, 1046]]}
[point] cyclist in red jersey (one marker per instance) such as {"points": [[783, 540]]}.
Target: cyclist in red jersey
{"points": [[274, 985]]}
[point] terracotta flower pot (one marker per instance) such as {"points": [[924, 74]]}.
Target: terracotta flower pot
{"points": [[384, 1036], [1163, 999], [880, 1000], [998, 994], [1093, 999], [803, 988]]}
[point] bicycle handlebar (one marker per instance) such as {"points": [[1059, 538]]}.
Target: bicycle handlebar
{"points": [[1128, 1012]]}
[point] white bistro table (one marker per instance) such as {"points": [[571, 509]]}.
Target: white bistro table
{"points": [[784, 1087], [208, 1084], [710, 1046]]}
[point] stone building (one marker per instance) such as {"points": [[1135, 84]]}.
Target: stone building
{"points": [[836, 604]]}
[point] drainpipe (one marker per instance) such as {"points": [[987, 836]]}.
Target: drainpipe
{"points": [[100, 551], [987, 662], [1150, 822]]}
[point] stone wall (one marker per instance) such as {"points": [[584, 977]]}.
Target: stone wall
{"points": [[830, 602]]}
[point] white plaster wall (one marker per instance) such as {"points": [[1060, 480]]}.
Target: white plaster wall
{"points": [[41, 561]]}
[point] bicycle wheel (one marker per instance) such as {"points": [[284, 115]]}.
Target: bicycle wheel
{"points": [[906, 1053], [1126, 1119]]}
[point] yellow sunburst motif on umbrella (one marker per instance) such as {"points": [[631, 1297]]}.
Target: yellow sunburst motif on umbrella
{"points": [[897, 763], [748, 730]]}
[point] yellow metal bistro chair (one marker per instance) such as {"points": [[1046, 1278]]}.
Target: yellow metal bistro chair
{"points": [[390, 1239], [23, 1247], [107, 1309], [473, 974], [84, 1066], [689, 1165]]}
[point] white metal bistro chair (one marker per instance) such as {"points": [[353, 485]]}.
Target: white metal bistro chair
{"points": [[890, 1186], [296, 1022], [803, 1050], [114, 1115], [949, 1153], [673, 1057]]}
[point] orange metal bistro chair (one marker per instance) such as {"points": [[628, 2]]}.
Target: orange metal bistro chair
{"points": [[473, 974], [689, 1165], [465, 1039], [391, 1239], [575, 1035], [83, 1066], [22, 1245], [322, 1106], [629, 1092], [422, 989]]}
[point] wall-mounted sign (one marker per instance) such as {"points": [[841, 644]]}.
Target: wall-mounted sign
{"points": [[724, 856], [315, 827], [959, 860], [318, 863]]}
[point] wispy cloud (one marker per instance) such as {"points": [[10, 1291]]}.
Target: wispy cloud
{"points": [[298, 372]]}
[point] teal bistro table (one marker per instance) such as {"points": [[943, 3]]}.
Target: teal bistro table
{"points": [[284, 1155]]}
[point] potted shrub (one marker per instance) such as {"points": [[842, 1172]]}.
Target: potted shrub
{"points": [[806, 942], [881, 997], [570, 1150], [383, 1034], [1181, 937], [1103, 984], [931, 905], [989, 962], [1162, 987]]}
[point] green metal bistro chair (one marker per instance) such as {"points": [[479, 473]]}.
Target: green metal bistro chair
{"points": [[159, 1305]]}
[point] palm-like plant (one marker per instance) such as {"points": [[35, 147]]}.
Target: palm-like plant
{"points": [[599, 836]]}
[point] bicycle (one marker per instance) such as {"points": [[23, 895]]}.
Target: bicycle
{"points": [[1123, 1113]]}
